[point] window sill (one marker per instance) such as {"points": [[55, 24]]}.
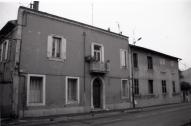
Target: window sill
{"points": [[56, 59], [124, 67], [124, 97], [175, 93], [35, 104], [72, 102]]}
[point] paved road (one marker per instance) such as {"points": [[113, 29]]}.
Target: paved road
{"points": [[163, 117]]}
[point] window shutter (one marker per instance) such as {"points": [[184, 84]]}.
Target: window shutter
{"points": [[92, 49], [49, 46], [63, 48], [102, 53], [6, 49], [122, 56]]}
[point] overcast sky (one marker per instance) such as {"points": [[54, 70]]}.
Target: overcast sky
{"points": [[164, 25]]}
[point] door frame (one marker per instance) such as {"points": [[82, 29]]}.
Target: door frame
{"points": [[102, 93]]}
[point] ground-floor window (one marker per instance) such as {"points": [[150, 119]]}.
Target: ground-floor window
{"points": [[136, 86], [72, 90], [173, 87], [164, 86], [150, 86], [35, 90], [125, 88]]}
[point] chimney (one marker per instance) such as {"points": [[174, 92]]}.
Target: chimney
{"points": [[36, 5]]}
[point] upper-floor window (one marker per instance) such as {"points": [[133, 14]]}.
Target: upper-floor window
{"points": [[97, 52], [4, 50], [123, 58], [135, 60], [164, 86], [125, 88], [150, 62], [172, 63], [150, 86], [136, 86], [162, 61], [56, 47]]}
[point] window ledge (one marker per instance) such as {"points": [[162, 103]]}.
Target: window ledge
{"points": [[56, 59], [72, 102], [175, 93], [35, 104]]}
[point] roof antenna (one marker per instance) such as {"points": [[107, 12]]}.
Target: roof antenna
{"points": [[92, 13], [118, 26]]}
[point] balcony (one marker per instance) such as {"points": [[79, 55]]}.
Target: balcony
{"points": [[99, 67]]}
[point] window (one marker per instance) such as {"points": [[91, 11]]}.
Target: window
{"points": [[136, 86], [150, 86], [36, 90], [125, 88], [164, 86], [135, 60], [162, 61], [4, 50], [150, 62], [172, 63], [56, 49], [173, 87], [97, 52], [123, 57], [72, 90]]}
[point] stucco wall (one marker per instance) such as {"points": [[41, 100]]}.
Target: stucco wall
{"points": [[34, 61], [160, 72]]}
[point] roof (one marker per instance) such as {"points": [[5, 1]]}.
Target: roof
{"points": [[7, 28], [153, 51], [74, 22]]}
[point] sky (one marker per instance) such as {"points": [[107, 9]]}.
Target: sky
{"points": [[163, 25]]}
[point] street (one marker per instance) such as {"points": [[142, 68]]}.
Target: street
{"points": [[175, 116]]}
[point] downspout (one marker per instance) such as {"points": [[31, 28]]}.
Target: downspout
{"points": [[132, 76], [84, 54]]}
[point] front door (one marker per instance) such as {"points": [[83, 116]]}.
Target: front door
{"points": [[97, 93]]}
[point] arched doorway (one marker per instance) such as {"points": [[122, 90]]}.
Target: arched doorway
{"points": [[97, 95]]}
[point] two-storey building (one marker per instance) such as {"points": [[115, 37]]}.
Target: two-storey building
{"points": [[155, 77], [53, 65]]}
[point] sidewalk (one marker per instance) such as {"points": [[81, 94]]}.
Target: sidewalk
{"points": [[85, 116]]}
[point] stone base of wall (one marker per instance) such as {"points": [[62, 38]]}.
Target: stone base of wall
{"points": [[52, 111], [124, 105], [37, 112]]}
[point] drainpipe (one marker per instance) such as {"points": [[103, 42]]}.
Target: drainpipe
{"points": [[132, 77], [84, 54]]}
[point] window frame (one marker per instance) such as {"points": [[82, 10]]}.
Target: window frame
{"points": [[62, 48], [101, 51], [43, 89], [150, 62], [135, 60], [136, 86], [173, 87], [125, 64], [78, 90], [150, 88], [164, 87], [128, 89]]}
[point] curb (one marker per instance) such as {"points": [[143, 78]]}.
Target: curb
{"points": [[87, 116]]}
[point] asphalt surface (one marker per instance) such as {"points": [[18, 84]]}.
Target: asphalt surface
{"points": [[175, 116]]}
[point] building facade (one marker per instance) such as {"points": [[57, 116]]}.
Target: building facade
{"points": [[155, 77], [52, 65], [60, 66]]}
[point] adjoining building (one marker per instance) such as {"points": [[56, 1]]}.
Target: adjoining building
{"points": [[155, 77], [52, 65]]}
